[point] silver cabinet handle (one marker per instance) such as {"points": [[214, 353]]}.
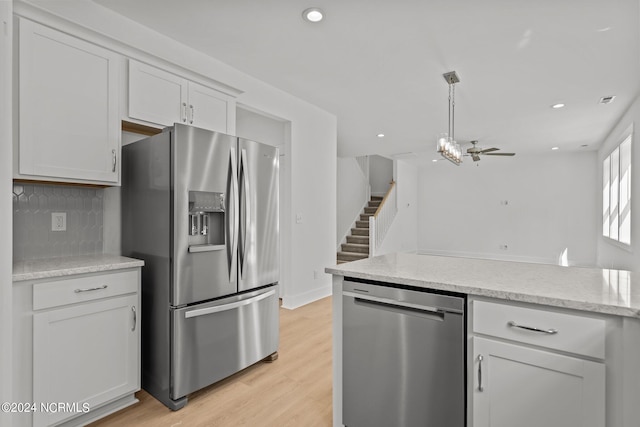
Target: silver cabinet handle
{"points": [[90, 289], [114, 159], [480, 359], [135, 318], [513, 324], [192, 113], [184, 112]]}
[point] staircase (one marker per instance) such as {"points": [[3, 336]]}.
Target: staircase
{"points": [[357, 246]]}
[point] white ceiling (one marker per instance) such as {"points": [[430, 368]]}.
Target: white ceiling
{"points": [[378, 64]]}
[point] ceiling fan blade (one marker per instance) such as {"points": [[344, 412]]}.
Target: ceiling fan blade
{"points": [[500, 154], [488, 150]]}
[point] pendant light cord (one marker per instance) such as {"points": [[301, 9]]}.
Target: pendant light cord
{"points": [[449, 111], [453, 111]]}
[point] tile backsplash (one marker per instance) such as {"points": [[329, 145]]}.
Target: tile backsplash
{"points": [[33, 205]]}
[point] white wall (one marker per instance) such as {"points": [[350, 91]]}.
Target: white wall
{"points": [[258, 127], [380, 174], [609, 254], [313, 132], [551, 206], [351, 195], [6, 210], [402, 236]]}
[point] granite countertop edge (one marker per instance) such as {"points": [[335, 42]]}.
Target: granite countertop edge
{"points": [[574, 303], [69, 266]]}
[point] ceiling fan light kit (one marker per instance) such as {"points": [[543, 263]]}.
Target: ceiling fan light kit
{"points": [[447, 145]]}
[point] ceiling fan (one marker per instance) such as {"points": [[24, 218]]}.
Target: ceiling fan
{"points": [[475, 152]]}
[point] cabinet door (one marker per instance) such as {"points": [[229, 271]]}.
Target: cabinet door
{"points": [[156, 96], [531, 388], [208, 108], [69, 121], [85, 355]]}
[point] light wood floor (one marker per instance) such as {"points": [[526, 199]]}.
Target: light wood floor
{"points": [[295, 390]]}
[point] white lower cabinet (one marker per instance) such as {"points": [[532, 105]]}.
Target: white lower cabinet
{"points": [[84, 355], [514, 385], [530, 366], [78, 342]]}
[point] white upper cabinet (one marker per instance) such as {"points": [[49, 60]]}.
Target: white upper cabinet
{"points": [[208, 108], [69, 125], [163, 98], [156, 96]]}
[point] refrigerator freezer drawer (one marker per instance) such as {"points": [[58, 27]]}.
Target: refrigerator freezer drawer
{"points": [[214, 340]]}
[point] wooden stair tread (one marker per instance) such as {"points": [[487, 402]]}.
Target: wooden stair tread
{"points": [[358, 239], [351, 256], [356, 248]]}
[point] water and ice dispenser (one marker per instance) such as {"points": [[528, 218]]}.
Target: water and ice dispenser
{"points": [[206, 221]]}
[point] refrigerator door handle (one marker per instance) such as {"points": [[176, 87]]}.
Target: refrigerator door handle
{"points": [[227, 307], [232, 216], [246, 209]]}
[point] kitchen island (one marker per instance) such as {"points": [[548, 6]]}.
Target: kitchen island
{"points": [[595, 314]]}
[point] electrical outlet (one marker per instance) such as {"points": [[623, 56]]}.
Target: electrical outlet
{"points": [[315, 274], [298, 218], [58, 221]]}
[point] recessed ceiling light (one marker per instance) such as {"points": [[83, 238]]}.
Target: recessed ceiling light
{"points": [[313, 14], [556, 106], [555, 148], [381, 135], [434, 160]]}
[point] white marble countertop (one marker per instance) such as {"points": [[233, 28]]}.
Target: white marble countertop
{"points": [[66, 266], [614, 292]]}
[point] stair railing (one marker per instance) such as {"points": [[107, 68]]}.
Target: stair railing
{"points": [[380, 222]]}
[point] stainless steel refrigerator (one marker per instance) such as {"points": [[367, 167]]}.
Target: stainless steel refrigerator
{"points": [[201, 209]]}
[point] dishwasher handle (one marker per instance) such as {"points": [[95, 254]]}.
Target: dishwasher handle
{"points": [[407, 307]]}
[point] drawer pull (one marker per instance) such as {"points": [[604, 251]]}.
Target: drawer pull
{"points": [[513, 324], [77, 291]]}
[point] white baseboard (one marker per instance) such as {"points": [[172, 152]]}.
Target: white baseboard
{"points": [[292, 302]]}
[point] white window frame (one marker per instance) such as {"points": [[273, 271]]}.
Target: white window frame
{"points": [[616, 192]]}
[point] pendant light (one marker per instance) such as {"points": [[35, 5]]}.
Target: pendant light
{"points": [[447, 145]]}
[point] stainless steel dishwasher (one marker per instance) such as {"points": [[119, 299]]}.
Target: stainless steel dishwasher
{"points": [[403, 357]]}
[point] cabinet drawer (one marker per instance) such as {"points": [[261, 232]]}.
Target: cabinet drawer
{"points": [[573, 334], [86, 288]]}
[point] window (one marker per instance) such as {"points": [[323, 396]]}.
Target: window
{"points": [[616, 193]]}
